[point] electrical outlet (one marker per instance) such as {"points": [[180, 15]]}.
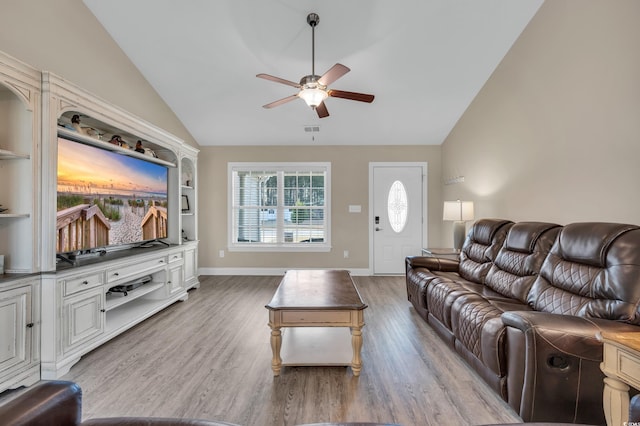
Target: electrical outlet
{"points": [[221, 253], [346, 254]]}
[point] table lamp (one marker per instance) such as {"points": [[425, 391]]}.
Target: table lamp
{"points": [[459, 212]]}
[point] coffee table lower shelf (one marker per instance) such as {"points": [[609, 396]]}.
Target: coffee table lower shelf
{"points": [[316, 346]]}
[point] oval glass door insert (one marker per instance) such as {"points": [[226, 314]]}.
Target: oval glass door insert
{"points": [[397, 206]]}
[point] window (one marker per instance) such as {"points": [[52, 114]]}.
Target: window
{"points": [[279, 206], [397, 206]]}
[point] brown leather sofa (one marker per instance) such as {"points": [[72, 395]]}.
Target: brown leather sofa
{"points": [[59, 403], [525, 304]]}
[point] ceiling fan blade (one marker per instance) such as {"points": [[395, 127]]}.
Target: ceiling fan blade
{"points": [[360, 97], [322, 110], [279, 80], [280, 101], [334, 73]]}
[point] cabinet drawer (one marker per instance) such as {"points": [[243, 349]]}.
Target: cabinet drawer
{"points": [[74, 285], [124, 272], [175, 257], [629, 367], [316, 317]]}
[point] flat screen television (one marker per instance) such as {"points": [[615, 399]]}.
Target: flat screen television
{"points": [[107, 200]]}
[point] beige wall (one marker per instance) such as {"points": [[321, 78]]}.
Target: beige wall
{"points": [[350, 185], [554, 135], [62, 36]]}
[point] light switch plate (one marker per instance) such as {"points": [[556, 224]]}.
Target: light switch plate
{"points": [[355, 209]]}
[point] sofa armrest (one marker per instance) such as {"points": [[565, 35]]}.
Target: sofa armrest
{"points": [[53, 402], [551, 355], [432, 263], [575, 336]]}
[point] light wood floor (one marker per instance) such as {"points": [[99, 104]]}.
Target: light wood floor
{"points": [[210, 357]]}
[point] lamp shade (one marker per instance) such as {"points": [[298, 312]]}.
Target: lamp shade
{"points": [[458, 210]]}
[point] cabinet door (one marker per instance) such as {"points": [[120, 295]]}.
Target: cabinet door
{"points": [[190, 268], [15, 328], [175, 279], [83, 318]]}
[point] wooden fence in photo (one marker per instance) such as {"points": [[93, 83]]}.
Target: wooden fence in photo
{"points": [[81, 227]]}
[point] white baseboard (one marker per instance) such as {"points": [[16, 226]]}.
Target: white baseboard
{"points": [[268, 271]]}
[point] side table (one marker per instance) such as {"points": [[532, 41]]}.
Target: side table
{"points": [[621, 365]]}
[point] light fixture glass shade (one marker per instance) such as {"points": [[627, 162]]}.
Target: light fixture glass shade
{"points": [[458, 210], [313, 96]]}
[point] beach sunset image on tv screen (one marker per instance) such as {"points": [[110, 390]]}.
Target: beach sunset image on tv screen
{"points": [[107, 199]]}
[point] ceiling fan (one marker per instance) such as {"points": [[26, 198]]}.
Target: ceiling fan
{"points": [[314, 89]]}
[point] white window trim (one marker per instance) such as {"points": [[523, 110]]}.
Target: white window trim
{"points": [[278, 247]]}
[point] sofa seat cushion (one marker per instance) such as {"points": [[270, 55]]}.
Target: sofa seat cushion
{"points": [[441, 294], [477, 325], [484, 291]]}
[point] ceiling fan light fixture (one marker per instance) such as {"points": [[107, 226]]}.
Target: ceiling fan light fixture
{"points": [[313, 88], [313, 96]]}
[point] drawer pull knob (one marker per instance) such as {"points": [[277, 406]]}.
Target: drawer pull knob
{"points": [[161, 260], [30, 325], [116, 274], [103, 310], [85, 282]]}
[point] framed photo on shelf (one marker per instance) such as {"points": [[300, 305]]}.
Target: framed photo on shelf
{"points": [[185, 204]]}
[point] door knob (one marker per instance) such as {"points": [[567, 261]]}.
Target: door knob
{"points": [[378, 228]]}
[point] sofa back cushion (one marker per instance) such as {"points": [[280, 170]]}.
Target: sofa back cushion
{"points": [[519, 260], [593, 270], [481, 247]]}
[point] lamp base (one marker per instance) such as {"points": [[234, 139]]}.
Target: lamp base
{"points": [[459, 234]]}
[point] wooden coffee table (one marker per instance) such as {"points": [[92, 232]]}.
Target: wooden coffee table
{"points": [[321, 299]]}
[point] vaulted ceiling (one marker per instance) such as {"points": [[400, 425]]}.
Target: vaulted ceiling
{"points": [[424, 60]]}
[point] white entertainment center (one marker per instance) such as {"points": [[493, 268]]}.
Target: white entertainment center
{"points": [[52, 310]]}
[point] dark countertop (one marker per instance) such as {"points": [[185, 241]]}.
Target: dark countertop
{"points": [[11, 277], [113, 255]]}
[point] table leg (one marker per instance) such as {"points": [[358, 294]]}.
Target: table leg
{"points": [[615, 401], [356, 342], [276, 343]]}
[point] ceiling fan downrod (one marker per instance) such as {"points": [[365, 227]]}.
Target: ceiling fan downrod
{"points": [[313, 19]]}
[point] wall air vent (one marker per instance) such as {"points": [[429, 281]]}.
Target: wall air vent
{"points": [[312, 129]]}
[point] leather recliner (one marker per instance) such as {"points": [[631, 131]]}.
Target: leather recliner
{"points": [[525, 304]]}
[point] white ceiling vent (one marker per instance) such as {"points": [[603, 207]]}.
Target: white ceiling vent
{"points": [[312, 129]]}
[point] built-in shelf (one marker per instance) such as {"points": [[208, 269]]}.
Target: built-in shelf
{"points": [[135, 311], [114, 300], [69, 134], [10, 155]]}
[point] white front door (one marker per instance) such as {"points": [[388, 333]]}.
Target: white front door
{"points": [[397, 210]]}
